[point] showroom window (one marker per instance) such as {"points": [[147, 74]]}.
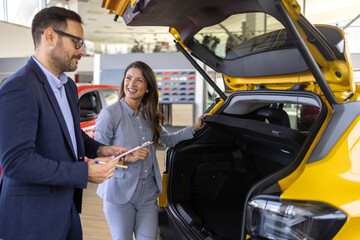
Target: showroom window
{"points": [[23, 11], [2, 12]]}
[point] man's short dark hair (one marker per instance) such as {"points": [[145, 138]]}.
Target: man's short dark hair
{"points": [[54, 17]]}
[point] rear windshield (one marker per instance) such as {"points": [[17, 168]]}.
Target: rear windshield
{"points": [[245, 34], [276, 40]]}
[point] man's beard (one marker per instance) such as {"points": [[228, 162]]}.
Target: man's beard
{"points": [[61, 61]]}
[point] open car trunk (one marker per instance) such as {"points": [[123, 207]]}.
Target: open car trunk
{"points": [[253, 135]]}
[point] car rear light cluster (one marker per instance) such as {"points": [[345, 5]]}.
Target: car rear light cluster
{"points": [[273, 218]]}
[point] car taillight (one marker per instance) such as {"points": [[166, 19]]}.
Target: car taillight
{"points": [[274, 218]]}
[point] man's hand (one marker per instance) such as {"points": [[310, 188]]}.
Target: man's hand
{"points": [[107, 151], [98, 173], [140, 154]]}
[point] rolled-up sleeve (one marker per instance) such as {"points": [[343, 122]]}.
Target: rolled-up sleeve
{"points": [[171, 139]]}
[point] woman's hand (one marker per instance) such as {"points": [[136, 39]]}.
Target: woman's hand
{"points": [[140, 154], [107, 151], [199, 124]]}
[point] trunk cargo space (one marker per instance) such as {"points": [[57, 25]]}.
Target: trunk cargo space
{"points": [[210, 175]]}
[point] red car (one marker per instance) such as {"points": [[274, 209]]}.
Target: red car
{"points": [[92, 98]]}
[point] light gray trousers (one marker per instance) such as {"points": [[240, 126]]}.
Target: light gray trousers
{"points": [[138, 216]]}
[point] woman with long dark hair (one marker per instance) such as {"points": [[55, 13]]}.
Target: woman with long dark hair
{"points": [[130, 196]]}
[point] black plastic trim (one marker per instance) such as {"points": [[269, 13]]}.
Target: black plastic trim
{"points": [[313, 38], [342, 117], [305, 52]]}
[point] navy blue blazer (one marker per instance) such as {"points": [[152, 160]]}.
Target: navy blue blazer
{"points": [[41, 176]]}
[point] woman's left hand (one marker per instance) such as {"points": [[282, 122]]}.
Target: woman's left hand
{"points": [[199, 124]]}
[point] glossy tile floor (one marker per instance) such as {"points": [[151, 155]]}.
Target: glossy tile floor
{"points": [[93, 220]]}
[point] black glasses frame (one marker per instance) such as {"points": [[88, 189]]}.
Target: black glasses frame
{"points": [[79, 42]]}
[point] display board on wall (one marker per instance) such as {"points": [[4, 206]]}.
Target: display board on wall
{"points": [[176, 86]]}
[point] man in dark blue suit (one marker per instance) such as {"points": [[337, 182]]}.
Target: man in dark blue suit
{"points": [[42, 147]]}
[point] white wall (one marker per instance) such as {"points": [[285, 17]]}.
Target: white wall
{"points": [[85, 65], [355, 61], [15, 41]]}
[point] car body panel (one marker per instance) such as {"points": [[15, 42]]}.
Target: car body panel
{"points": [[335, 154], [337, 174]]}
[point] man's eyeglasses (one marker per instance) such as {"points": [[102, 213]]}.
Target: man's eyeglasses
{"points": [[79, 42]]}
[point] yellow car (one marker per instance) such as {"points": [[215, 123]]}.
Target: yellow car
{"points": [[279, 157]]}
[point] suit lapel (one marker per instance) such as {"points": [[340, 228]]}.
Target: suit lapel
{"points": [[54, 103], [70, 93]]}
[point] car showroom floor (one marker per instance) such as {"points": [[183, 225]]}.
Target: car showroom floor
{"points": [[93, 220]]}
